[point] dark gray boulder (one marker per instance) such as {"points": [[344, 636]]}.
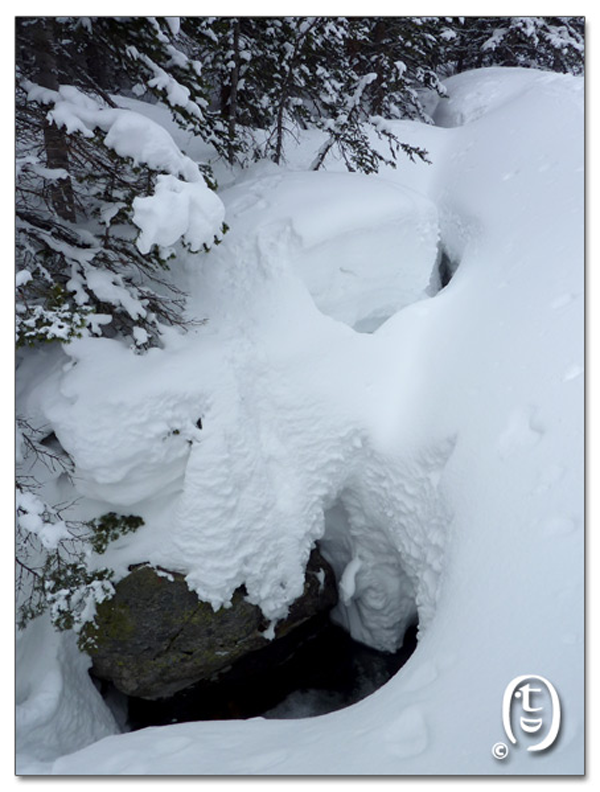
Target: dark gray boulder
{"points": [[154, 637]]}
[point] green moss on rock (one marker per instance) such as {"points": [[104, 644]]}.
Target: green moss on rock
{"points": [[154, 637]]}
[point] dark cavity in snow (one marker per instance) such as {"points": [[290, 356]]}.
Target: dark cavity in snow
{"points": [[446, 268], [310, 672]]}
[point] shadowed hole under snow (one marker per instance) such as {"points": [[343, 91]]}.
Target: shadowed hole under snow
{"points": [[311, 672], [340, 657], [446, 268]]}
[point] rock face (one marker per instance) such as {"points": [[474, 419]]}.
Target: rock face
{"points": [[155, 637]]}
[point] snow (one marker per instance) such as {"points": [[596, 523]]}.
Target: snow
{"points": [[31, 513], [363, 247], [347, 584], [438, 457], [22, 277], [128, 133], [58, 708], [132, 135], [174, 24], [484, 91], [108, 287], [178, 210]]}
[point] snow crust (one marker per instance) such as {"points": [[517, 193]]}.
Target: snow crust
{"points": [[439, 458]]}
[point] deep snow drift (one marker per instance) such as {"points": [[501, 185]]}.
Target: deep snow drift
{"points": [[438, 455]]}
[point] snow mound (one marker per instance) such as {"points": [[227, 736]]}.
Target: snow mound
{"points": [[58, 708], [473, 94], [113, 411], [364, 247]]}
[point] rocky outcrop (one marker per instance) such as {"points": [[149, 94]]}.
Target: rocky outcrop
{"points": [[154, 637]]}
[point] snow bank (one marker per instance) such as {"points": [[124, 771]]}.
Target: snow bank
{"points": [[363, 247], [58, 708], [116, 414], [477, 93], [439, 459]]}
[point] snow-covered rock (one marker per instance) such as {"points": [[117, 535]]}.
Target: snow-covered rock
{"points": [[154, 637]]}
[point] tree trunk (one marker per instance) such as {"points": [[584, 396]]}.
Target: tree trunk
{"points": [[287, 87], [235, 77], [279, 128], [55, 139]]}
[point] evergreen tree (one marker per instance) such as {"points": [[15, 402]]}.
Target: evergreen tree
{"points": [[269, 77], [366, 85], [402, 54], [80, 266], [549, 43], [243, 85]]}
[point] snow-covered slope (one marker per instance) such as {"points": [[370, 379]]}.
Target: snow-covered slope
{"points": [[440, 457]]}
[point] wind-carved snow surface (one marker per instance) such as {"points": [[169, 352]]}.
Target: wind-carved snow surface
{"points": [[385, 538], [252, 518], [438, 459]]}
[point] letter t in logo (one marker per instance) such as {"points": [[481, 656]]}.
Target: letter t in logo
{"points": [[525, 691]]}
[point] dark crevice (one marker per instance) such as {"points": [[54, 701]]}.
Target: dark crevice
{"points": [[317, 668], [446, 268]]}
